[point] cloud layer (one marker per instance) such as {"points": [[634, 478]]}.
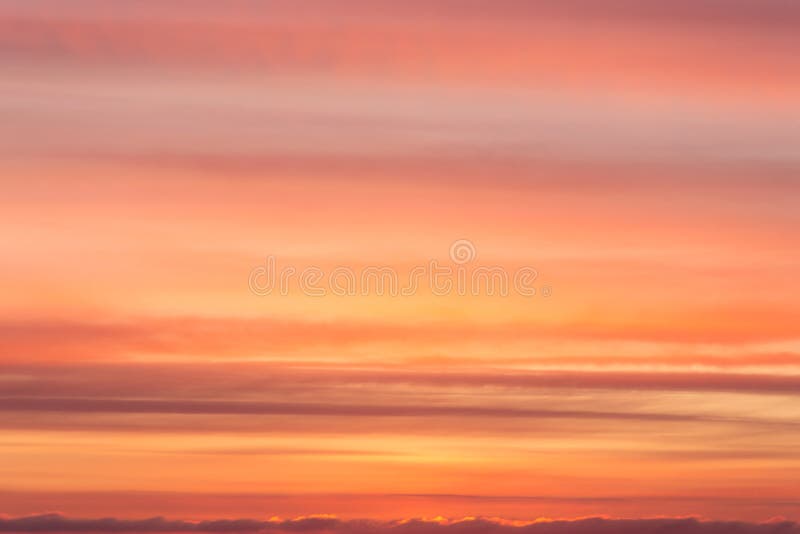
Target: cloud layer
{"points": [[58, 523]]}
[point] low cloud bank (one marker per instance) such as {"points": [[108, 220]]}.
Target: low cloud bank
{"points": [[58, 523]]}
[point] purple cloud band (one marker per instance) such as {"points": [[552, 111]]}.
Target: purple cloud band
{"points": [[58, 523]]}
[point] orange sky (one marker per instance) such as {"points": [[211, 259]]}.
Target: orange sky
{"points": [[641, 156]]}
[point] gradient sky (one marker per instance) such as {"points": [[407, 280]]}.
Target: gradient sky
{"points": [[641, 155]]}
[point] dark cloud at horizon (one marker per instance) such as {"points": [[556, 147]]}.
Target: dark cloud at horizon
{"points": [[595, 525]]}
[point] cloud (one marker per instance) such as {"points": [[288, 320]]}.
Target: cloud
{"points": [[684, 52], [222, 407], [201, 381], [58, 523]]}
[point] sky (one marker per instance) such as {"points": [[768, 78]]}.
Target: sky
{"points": [[629, 168]]}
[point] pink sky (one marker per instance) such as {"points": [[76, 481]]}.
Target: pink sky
{"points": [[642, 156]]}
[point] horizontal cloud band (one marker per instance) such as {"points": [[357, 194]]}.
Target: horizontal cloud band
{"points": [[58, 523]]}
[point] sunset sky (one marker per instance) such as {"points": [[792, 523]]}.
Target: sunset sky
{"points": [[642, 156]]}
